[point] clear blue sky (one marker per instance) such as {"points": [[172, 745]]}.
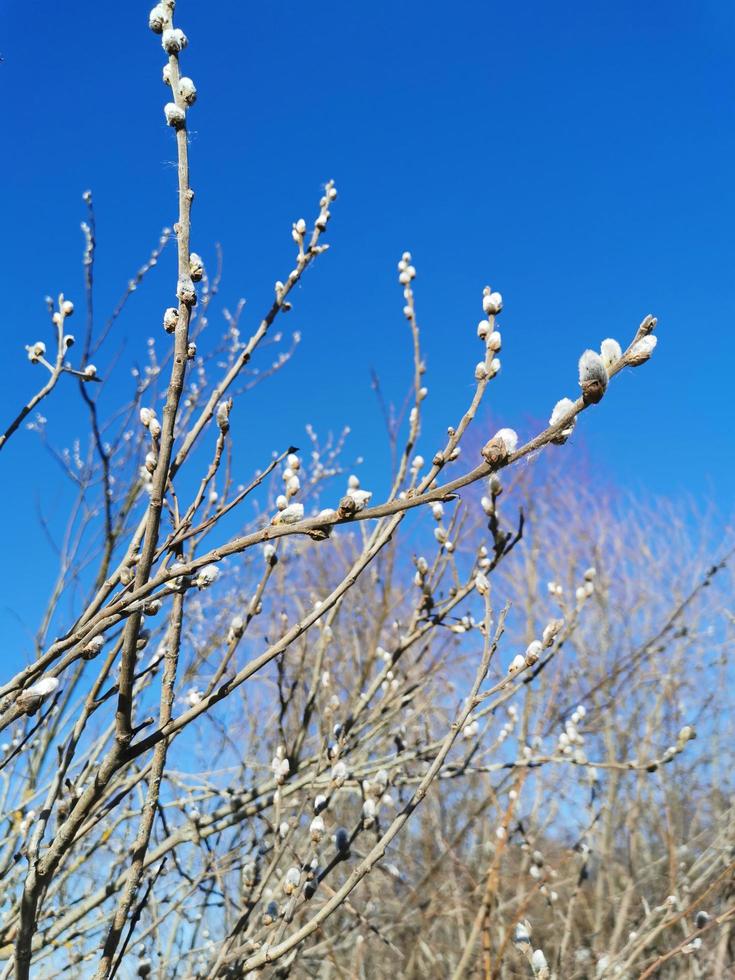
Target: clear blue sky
{"points": [[579, 157]]}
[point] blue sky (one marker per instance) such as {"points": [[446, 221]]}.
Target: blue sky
{"points": [[577, 157]]}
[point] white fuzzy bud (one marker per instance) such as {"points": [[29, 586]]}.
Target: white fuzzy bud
{"points": [[223, 415], [480, 371], [93, 647], [291, 880], [482, 583], [187, 90], [533, 652], [560, 410], [551, 630], [470, 730], [280, 766], [206, 576], [339, 773], [361, 498], [170, 319], [492, 303], [157, 18], [36, 351], [369, 811], [175, 584], [437, 511], [317, 829], [642, 350], [518, 663], [509, 437], [611, 352], [592, 376], [175, 116], [173, 40], [42, 688], [196, 267], [186, 292], [291, 514], [538, 962]]}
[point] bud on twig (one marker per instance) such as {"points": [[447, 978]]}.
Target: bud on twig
{"points": [[175, 115], [173, 40], [592, 377], [642, 350]]}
